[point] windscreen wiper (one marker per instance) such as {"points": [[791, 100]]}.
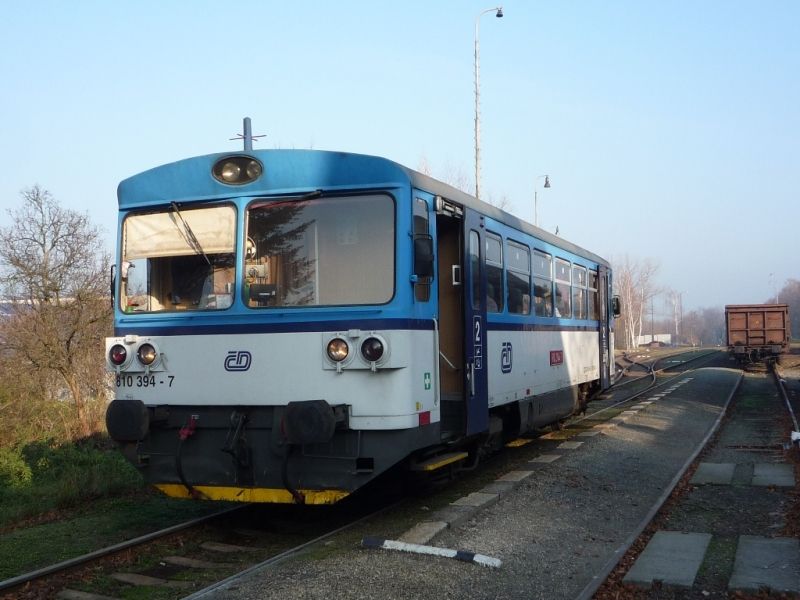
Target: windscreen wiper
{"points": [[190, 236]]}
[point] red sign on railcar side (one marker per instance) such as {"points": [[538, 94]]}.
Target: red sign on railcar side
{"points": [[556, 357]]}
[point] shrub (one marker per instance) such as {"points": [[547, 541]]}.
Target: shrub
{"points": [[15, 474]]}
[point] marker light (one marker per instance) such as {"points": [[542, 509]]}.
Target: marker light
{"points": [[337, 350], [237, 170], [147, 354], [372, 349], [117, 354]]}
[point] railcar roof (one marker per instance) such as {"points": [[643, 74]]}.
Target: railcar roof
{"points": [[320, 164]]}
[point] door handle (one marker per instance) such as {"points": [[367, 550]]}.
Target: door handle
{"points": [[471, 377]]}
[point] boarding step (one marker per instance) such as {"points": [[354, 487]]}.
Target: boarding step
{"points": [[439, 461]]}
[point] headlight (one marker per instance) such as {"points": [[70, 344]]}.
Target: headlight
{"points": [[230, 172], [237, 170], [372, 349], [147, 354], [117, 354], [337, 350]]}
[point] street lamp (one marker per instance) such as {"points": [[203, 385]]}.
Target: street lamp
{"points": [[536, 197], [498, 10]]}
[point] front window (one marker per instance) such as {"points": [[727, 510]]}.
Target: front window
{"points": [[178, 259], [324, 251]]}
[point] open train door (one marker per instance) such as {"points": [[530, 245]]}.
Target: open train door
{"points": [[475, 367], [606, 352]]}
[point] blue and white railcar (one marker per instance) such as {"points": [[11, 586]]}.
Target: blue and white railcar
{"points": [[291, 324]]}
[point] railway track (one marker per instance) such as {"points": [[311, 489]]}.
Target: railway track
{"points": [[750, 433], [206, 553], [194, 555]]}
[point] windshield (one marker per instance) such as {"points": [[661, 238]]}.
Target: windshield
{"points": [[178, 259], [324, 251]]}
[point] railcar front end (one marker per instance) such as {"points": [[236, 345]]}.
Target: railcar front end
{"points": [[291, 324], [264, 350]]}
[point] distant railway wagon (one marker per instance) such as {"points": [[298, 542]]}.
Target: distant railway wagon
{"points": [[290, 324], [757, 331]]}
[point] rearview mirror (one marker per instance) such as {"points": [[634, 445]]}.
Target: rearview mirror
{"points": [[423, 255], [616, 306]]}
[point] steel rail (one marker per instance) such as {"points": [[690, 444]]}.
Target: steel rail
{"points": [[781, 382], [85, 558]]}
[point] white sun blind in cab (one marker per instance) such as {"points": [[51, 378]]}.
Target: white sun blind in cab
{"points": [[164, 234]]}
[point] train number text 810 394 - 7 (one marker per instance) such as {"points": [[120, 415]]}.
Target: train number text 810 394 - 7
{"points": [[140, 381]]}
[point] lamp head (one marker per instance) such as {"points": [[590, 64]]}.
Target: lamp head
{"points": [[499, 13], [547, 181]]}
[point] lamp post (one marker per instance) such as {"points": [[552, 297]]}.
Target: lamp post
{"points": [[498, 10], [536, 197]]}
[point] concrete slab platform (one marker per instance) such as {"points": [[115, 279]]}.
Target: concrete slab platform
{"points": [[545, 458], [761, 562], [499, 487], [777, 474], [672, 557], [453, 515], [588, 433], [194, 563], [515, 476], [422, 533], [713, 474], [570, 445], [476, 500]]}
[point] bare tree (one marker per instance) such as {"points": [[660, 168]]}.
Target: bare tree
{"points": [[790, 294], [674, 301], [54, 270], [705, 326], [635, 285]]}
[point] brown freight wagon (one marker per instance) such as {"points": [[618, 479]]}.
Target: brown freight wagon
{"points": [[757, 331]]}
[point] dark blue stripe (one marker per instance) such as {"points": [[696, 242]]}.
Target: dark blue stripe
{"points": [[303, 327], [464, 555], [492, 326]]}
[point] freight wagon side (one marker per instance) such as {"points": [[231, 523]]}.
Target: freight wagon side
{"points": [[757, 331]]}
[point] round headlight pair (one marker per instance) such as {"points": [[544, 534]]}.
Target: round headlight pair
{"points": [[372, 349], [237, 170], [118, 354]]}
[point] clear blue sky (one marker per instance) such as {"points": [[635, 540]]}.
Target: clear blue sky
{"points": [[670, 130]]}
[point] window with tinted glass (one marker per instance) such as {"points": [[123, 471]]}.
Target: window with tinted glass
{"points": [[563, 291], [594, 297], [422, 288], [321, 251], [518, 274], [579, 292], [475, 268], [494, 273], [542, 284]]}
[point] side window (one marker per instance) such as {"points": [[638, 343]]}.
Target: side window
{"points": [[542, 284], [579, 292], [518, 274], [474, 268], [494, 274], [594, 297], [422, 289], [563, 295]]}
